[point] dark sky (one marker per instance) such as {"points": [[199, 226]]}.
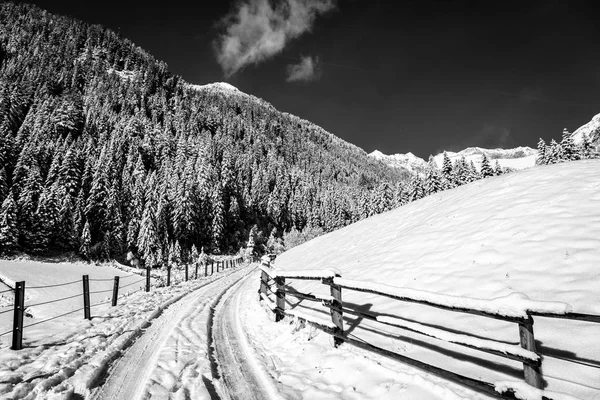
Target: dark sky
{"points": [[398, 76]]}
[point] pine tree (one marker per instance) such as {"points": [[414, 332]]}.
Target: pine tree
{"points": [[9, 232], [383, 198], [86, 241], [497, 168], [447, 168], [148, 242], [570, 152], [555, 153], [3, 184], [542, 156], [486, 169], [194, 254], [251, 243]]}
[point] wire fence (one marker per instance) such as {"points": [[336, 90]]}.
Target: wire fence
{"points": [[53, 286], [54, 301], [19, 293]]}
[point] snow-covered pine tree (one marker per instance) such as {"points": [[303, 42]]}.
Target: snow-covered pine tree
{"points": [[249, 254], [194, 254], [473, 174], [433, 181], [9, 230], [498, 168], [447, 167], [3, 184], [383, 197], [570, 152], [417, 190], [486, 168], [555, 153], [586, 150], [148, 242], [542, 156], [86, 241]]}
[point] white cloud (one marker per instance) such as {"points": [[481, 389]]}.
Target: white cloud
{"points": [[257, 29], [308, 69]]}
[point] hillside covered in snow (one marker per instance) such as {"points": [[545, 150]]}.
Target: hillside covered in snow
{"points": [[530, 234]]}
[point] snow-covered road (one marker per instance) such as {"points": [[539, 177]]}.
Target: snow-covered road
{"points": [[242, 376], [171, 359]]}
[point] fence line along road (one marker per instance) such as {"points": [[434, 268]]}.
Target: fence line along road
{"points": [[273, 284]]}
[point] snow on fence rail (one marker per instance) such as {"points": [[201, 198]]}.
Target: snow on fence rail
{"points": [[20, 307], [516, 308]]}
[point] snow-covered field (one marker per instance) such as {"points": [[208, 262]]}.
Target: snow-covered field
{"points": [[69, 353], [37, 274], [534, 232]]}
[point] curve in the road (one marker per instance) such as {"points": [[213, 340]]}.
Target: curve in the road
{"points": [[170, 360]]}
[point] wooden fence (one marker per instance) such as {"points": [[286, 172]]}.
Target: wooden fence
{"points": [[274, 282], [19, 308]]}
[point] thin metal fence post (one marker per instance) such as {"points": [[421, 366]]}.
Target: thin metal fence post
{"points": [[17, 336], [147, 278], [86, 297], [115, 291]]}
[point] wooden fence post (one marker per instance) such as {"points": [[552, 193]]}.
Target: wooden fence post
{"points": [[212, 267], [168, 274], [196, 266], [187, 277], [115, 291], [531, 370], [147, 278], [17, 336], [86, 297], [206, 268], [264, 278], [280, 299], [336, 310]]}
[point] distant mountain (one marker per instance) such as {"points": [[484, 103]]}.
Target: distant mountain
{"points": [[407, 161], [517, 158], [591, 131]]}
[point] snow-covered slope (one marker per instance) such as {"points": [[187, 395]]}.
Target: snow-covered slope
{"points": [[591, 130], [535, 232], [517, 158]]}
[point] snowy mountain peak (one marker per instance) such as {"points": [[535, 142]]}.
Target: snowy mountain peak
{"points": [[517, 158], [408, 161], [591, 130], [217, 86]]}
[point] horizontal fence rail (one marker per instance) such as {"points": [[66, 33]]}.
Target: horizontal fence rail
{"points": [[513, 310], [112, 285]]}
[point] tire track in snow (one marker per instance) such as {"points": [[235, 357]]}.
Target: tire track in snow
{"points": [[170, 360], [240, 375]]}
